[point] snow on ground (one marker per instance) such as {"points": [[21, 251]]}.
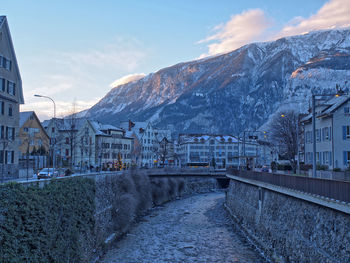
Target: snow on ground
{"points": [[195, 229]]}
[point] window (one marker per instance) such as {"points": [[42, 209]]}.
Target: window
{"points": [[11, 88], [2, 132], [2, 105], [7, 64], [346, 110], [10, 110], [11, 134], [326, 134], [346, 158], [67, 140], [67, 152], [2, 84], [25, 129], [346, 132], [318, 135], [106, 155]]}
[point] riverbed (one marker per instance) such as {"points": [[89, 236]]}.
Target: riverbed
{"points": [[194, 229]]}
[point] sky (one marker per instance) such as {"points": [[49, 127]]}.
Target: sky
{"points": [[76, 51]]}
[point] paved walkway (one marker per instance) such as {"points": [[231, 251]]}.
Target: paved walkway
{"points": [[195, 229]]}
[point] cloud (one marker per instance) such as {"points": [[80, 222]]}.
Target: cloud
{"points": [[44, 107], [82, 76], [333, 14], [253, 25], [127, 79], [239, 30]]}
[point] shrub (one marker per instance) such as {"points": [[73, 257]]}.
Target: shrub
{"points": [[322, 167], [46, 224]]}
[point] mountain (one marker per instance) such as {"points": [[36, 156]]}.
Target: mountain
{"points": [[234, 91]]}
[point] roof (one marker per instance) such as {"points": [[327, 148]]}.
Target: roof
{"points": [[69, 123], [4, 24], [330, 106], [2, 18], [24, 116], [195, 138], [101, 128]]}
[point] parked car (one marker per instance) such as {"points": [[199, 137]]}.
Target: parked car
{"points": [[47, 173], [265, 169]]}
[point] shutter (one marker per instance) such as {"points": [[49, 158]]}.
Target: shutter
{"points": [[344, 132], [345, 159]]}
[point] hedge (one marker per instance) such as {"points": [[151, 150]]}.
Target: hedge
{"points": [[47, 224]]}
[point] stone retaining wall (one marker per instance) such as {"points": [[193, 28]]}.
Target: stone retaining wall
{"points": [[289, 229], [122, 198]]}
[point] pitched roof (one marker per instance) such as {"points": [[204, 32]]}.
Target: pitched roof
{"points": [[4, 24], [24, 116], [330, 106], [194, 138], [2, 18], [101, 128]]}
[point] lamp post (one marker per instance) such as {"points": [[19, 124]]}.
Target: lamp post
{"points": [[54, 124]]}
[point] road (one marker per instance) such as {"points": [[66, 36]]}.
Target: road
{"points": [[195, 229]]}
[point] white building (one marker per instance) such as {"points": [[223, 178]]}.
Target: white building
{"points": [[332, 133], [102, 145], [202, 149], [149, 143]]}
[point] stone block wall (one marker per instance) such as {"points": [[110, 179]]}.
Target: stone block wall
{"points": [[289, 229]]}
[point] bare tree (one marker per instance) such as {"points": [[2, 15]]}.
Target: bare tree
{"points": [[284, 135]]}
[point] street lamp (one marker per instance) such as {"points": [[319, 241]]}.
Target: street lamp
{"points": [[54, 123], [337, 94]]}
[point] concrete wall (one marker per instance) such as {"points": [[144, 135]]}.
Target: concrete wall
{"points": [[286, 226]]}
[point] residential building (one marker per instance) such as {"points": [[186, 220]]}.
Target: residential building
{"points": [[11, 96], [332, 133], [33, 136], [63, 138], [34, 142], [204, 149], [154, 145], [102, 145]]}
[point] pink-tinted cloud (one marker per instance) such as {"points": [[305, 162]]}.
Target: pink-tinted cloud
{"points": [[239, 30], [333, 14], [253, 25]]}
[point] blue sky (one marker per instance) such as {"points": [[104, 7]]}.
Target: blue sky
{"points": [[73, 50]]}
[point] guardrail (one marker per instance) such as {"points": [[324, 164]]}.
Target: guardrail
{"points": [[338, 190]]}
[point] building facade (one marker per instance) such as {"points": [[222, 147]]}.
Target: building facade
{"points": [[155, 146], [332, 133], [221, 151], [103, 146], [33, 137], [11, 96]]}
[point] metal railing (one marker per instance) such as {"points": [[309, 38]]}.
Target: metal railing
{"points": [[337, 190]]}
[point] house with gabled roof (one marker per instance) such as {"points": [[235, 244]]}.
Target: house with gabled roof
{"points": [[32, 134], [11, 96], [102, 145], [332, 133]]}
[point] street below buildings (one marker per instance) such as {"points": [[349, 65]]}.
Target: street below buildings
{"points": [[195, 229]]}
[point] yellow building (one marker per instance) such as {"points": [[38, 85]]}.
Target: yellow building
{"points": [[32, 135]]}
